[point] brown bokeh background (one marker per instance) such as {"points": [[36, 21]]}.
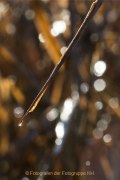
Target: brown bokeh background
{"points": [[76, 125]]}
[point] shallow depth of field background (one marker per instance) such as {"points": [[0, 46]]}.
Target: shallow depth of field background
{"points": [[76, 125]]}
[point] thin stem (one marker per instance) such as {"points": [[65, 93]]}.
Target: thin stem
{"points": [[93, 9]]}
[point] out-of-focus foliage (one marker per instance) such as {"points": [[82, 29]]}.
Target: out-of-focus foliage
{"points": [[76, 126]]}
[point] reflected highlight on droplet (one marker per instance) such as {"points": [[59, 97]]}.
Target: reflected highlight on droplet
{"points": [[98, 105], [99, 85], [52, 114], [114, 102], [58, 27], [107, 138], [20, 124], [67, 109], [99, 68], [41, 38], [18, 112], [84, 87], [59, 130], [102, 124], [97, 133], [58, 141]]}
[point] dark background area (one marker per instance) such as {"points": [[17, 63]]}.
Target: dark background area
{"points": [[76, 125]]}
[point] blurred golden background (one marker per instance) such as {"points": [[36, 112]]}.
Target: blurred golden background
{"points": [[76, 125]]}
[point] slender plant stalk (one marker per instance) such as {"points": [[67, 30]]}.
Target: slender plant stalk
{"points": [[93, 9]]}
